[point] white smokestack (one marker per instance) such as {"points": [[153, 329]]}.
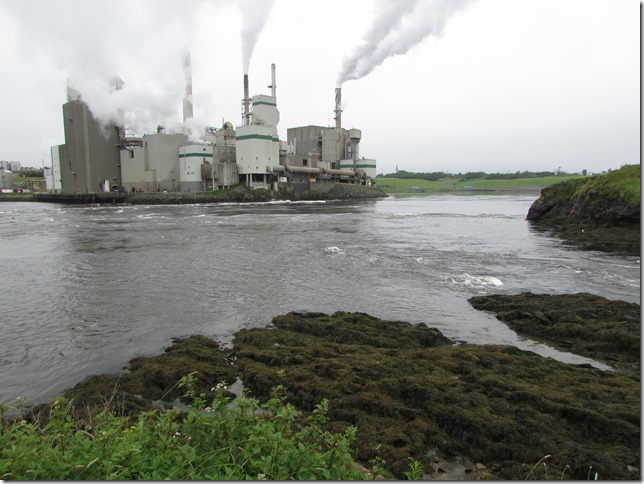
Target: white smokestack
{"points": [[246, 103], [273, 86], [338, 108], [187, 99]]}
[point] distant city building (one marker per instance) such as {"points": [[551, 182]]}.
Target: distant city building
{"points": [[13, 166]]}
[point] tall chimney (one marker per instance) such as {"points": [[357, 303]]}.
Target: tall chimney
{"points": [[246, 101], [338, 107], [273, 86], [187, 99]]}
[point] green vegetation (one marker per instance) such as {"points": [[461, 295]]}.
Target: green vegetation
{"points": [[392, 185], [619, 184], [210, 440], [470, 175]]}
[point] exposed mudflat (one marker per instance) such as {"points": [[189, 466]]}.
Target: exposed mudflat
{"points": [[464, 411]]}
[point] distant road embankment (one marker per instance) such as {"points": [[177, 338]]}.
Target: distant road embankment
{"points": [[452, 184]]}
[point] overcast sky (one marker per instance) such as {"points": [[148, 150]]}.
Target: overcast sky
{"points": [[434, 85]]}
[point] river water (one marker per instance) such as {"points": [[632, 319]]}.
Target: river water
{"points": [[85, 289]]}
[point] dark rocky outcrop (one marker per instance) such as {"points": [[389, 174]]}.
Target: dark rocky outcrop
{"points": [[412, 393], [601, 212], [584, 324]]}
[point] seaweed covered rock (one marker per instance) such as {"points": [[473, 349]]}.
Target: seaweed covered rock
{"points": [[582, 323], [411, 392], [601, 212]]}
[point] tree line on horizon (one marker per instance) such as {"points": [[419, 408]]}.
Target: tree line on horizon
{"points": [[470, 175]]}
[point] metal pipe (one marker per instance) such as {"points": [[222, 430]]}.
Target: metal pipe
{"points": [[333, 171], [303, 169]]}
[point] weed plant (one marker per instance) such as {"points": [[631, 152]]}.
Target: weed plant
{"points": [[209, 440]]}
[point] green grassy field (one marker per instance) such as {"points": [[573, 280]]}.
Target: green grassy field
{"points": [[392, 185]]}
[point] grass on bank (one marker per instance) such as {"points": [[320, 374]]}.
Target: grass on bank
{"points": [[624, 183], [209, 440], [392, 185]]}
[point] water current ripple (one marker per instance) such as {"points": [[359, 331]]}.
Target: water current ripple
{"points": [[88, 288]]}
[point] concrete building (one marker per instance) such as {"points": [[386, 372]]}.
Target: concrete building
{"points": [[191, 157], [92, 151], [14, 166], [52, 174], [257, 141], [152, 164]]}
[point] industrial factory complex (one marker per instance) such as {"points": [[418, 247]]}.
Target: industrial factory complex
{"points": [[99, 158]]}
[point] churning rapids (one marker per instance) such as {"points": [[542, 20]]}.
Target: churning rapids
{"points": [[85, 289]]}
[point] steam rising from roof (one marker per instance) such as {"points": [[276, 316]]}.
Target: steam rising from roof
{"points": [[400, 25], [254, 16]]}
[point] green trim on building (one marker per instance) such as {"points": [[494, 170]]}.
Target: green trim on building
{"points": [[202, 155], [257, 136], [258, 103], [358, 166]]}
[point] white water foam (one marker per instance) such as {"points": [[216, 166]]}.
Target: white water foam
{"points": [[467, 280]]}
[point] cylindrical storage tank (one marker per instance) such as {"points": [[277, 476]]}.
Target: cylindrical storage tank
{"points": [[7, 179], [355, 133]]}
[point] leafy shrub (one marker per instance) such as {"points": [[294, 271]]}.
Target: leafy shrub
{"points": [[212, 439]]}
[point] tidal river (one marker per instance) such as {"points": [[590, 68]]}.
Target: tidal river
{"points": [[85, 289]]}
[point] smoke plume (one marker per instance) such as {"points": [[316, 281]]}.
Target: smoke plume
{"points": [[96, 41], [254, 16], [400, 25]]}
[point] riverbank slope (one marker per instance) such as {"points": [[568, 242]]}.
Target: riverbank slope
{"points": [[600, 212]]}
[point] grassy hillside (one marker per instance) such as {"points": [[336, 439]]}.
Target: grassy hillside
{"points": [[623, 184], [391, 185]]}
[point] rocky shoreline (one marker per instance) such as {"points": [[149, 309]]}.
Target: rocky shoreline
{"points": [[593, 213], [237, 194], [465, 411]]}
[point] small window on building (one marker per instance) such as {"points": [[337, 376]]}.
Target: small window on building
{"points": [[131, 153], [305, 162]]}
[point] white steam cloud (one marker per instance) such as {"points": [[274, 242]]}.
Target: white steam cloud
{"points": [[400, 25], [141, 42], [254, 16]]}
